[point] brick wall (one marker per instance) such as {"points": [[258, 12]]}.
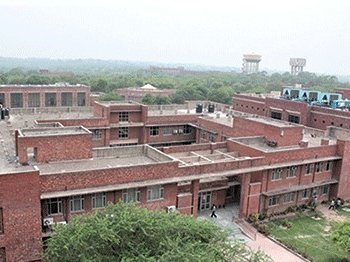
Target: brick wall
{"points": [[20, 201], [55, 148]]}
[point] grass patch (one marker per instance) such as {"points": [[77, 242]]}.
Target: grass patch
{"points": [[309, 237], [344, 213]]}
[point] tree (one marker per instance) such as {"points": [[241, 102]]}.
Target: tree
{"points": [[148, 99], [341, 235], [110, 97], [124, 232]]}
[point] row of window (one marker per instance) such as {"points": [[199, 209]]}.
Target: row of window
{"points": [[16, 99], [123, 132], [290, 197], [77, 203], [277, 173], [318, 167]]}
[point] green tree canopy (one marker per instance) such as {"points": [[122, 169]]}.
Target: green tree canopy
{"points": [[125, 232], [341, 235]]}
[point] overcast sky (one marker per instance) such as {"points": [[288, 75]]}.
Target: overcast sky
{"points": [[183, 31]]}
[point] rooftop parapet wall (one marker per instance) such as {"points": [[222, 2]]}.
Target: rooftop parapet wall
{"points": [[281, 133], [86, 122], [59, 181], [194, 147], [53, 144], [131, 151], [247, 97], [172, 119], [255, 146]]}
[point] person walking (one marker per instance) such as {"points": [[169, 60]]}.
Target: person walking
{"points": [[213, 209], [332, 205]]}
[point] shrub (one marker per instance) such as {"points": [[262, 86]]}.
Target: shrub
{"points": [[263, 228]]}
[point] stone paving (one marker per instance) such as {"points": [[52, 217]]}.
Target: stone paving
{"points": [[224, 219]]}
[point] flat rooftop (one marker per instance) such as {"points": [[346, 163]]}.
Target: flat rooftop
{"points": [[108, 157], [271, 121], [54, 131], [8, 159], [44, 86]]}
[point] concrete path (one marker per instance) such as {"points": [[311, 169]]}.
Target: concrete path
{"points": [[272, 249], [225, 220]]}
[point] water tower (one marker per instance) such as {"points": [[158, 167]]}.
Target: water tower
{"points": [[251, 63], [297, 65]]}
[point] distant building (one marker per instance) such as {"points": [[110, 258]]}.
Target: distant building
{"points": [[168, 70], [251, 63], [39, 96], [137, 93]]}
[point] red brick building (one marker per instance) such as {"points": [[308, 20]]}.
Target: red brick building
{"points": [[39, 96], [68, 167], [293, 111]]}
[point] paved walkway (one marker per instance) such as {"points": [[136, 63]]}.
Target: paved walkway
{"points": [[225, 220], [275, 251]]}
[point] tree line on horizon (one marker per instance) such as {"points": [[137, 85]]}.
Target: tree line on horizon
{"points": [[210, 85]]}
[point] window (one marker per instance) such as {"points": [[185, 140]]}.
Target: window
{"points": [[289, 197], [131, 195], [325, 189], [328, 165], [123, 116], [54, 206], [306, 193], [292, 171], [276, 115], [187, 129], [33, 100], [318, 167], [96, 134], [1, 222], [123, 132], [2, 99], [50, 99], [167, 131], [81, 99], [212, 137], [154, 131], [293, 119], [309, 169], [66, 99], [276, 174], [98, 200], [155, 192], [16, 100], [76, 203], [273, 201]]}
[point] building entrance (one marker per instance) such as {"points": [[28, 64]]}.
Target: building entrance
{"points": [[204, 201]]}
